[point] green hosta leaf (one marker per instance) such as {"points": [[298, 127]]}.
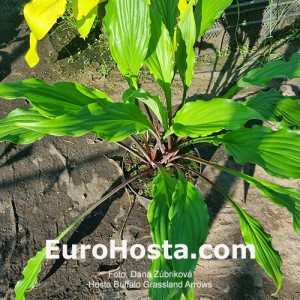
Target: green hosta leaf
{"points": [[56, 99], [153, 102], [289, 110], [9, 131], [265, 254], [273, 106], [168, 10], [163, 188], [188, 225], [33, 266], [159, 58], [186, 37], [178, 215], [277, 152], [127, 22], [273, 69], [201, 118], [206, 12], [265, 103], [30, 273], [114, 122], [283, 196]]}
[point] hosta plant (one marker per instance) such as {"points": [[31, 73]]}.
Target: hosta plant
{"points": [[157, 35]]}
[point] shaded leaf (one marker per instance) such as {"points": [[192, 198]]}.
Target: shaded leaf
{"points": [[273, 106], [201, 118], [277, 152], [168, 10], [56, 99], [114, 122], [127, 22]]}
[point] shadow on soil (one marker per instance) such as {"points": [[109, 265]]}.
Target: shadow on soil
{"points": [[11, 19]]}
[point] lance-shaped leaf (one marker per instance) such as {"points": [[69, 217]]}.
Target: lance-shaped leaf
{"points": [[206, 12], [201, 118], [153, 102], [185, 38], [9, 131], [277, 152], [255, 235], [168, 10], [273, 106], [40, 16], [188, 225], [127, 22], [282, 196], [114, 122], [56, 99], [273, 69], [163, 188], [159, 58]]}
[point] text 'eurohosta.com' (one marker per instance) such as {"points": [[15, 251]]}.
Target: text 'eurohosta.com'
{"points": [[152, 251]]}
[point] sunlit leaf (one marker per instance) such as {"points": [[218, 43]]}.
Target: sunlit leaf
{"points": [[265, 254], [82, 8], [163, 188], [114, 122], [201, 118], [56, 99], [85, 24], [188, 225], [206, 12], [32, 57], [127, 22], [153, 102], [272, 69], [277, 152], [287, 197], [40, 16], [159, 58], [9, 131], [186, 37], [177, 214]]}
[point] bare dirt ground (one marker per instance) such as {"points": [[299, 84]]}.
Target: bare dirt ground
{"points": [[45, 185]]}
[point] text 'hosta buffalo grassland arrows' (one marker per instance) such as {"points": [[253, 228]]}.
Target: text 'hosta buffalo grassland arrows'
{"points": [[161, 35]]}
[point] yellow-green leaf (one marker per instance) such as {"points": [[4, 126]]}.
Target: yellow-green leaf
{"points": [[85, 24], [41, 15], [81, 8], [32, 57]]}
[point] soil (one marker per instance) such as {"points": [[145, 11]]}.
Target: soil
{"points": [[44, 186]]}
